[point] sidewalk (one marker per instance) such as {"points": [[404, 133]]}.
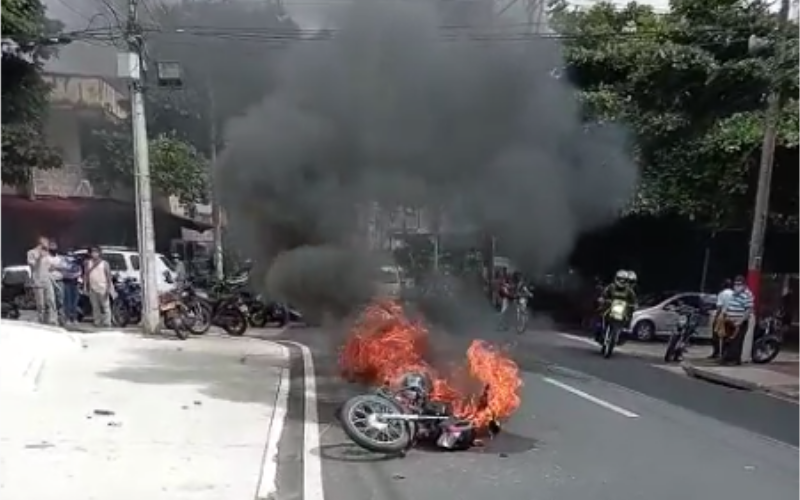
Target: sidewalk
{"points": [[779, 378], [124, 417]]}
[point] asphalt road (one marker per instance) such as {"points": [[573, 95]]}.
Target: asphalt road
{"points": [[587, 428]]}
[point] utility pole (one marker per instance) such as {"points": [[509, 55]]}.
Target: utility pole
{"points": [[134, 69], [216, 209], [761, 210]]}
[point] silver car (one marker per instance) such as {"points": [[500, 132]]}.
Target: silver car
{"points": [[656, 315]]}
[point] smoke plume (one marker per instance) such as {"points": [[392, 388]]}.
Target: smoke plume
{"points": [[400, 107]]}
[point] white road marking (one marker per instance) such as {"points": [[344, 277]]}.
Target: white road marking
{"points": [[578, 338], [590, 398], [312, 465], [268, 480]]}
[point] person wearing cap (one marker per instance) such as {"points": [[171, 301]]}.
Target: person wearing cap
{"points": [[737, 313]]}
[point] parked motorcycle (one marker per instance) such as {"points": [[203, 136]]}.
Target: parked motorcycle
{"points": [[224, 307], [767, 340], [174, 314], [10, 310], [126, 308], [680, 339], [198, 302]]}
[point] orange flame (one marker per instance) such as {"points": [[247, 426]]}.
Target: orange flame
{"points": [[384, 345]]}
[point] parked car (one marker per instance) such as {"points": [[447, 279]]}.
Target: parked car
{"points": [[126, 263], [657, 314]]}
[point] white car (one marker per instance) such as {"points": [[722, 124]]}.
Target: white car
{"points": [[657, 317], [126, 263]]}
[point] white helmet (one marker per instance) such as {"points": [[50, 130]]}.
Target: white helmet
{"points": [[621, 277], [632, 277]]}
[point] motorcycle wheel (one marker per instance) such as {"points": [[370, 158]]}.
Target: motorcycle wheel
{"points": [[522, 322], [609, 342], [182, 333], [671, 354], [120, 316], [201, 317], [358, 422], [765, 350], [258, 317], [234, 322]]}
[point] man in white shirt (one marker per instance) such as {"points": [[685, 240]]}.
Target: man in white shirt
{"points": [[41, 264], [723, 299]]}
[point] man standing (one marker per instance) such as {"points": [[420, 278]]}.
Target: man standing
{"points": [[56, 277], [41, 262], [737, 318], [99, 286], [72, 273], [718, 325]]}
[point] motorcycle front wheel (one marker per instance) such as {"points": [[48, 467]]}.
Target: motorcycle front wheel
{"points": [[765, 350], [609, 342], [360, 418], [671, 355], [233, 321], [522, 321], [201, 317], [120, 315]]}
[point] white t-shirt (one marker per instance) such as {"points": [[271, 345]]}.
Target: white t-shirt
{"points": [[98, 277], [724, 298]]}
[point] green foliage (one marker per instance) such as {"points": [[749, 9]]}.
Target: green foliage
{"points": [[176, 167], [692, 92], [24, 93]]}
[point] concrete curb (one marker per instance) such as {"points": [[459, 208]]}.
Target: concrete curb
{"points": [[736, 383]]}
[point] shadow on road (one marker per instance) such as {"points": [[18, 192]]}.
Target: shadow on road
{"points": [[226, 375]]}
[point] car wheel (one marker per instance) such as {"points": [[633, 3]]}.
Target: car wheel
{"points": [[644, 331]]}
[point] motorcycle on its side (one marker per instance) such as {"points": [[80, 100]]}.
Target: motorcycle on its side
{"points": [[615, 320], [391, 422], [681, 338]]}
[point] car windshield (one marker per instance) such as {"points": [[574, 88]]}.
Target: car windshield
{"points": [[388, 275], [654, 299], [167, 263]]}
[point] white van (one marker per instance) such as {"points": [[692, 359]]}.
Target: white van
{"points": [[126, 263]]}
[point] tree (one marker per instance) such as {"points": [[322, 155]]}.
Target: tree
{"points": [[24, 93], [693, 95], [176, 167]]}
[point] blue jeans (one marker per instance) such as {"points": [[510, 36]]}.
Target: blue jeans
{"points": [[71, 296]]}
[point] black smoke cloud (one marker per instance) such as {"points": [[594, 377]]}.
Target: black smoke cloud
{"points": [[399, 107]]}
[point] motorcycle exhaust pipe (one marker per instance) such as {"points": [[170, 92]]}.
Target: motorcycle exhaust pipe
{"points": [[409, 417]]}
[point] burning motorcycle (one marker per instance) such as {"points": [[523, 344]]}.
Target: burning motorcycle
{"points": [[391, 422]]}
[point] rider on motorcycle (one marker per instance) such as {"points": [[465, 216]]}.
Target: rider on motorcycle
{"points": [[511, 291], [619, 289]]}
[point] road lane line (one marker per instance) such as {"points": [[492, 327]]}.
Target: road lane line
{"points": [[590, 398], [312, 464], [578, 338], [268, 480]]}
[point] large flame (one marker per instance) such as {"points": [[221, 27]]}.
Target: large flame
{"points": [[384, 345]]}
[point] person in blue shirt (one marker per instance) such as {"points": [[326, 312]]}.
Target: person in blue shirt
{"points": [[71, 272]]}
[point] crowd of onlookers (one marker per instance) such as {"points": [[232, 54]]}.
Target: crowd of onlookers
{"points": [[58, 279]]}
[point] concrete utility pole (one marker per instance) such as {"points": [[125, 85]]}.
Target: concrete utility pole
{"points": [[216, 209], [133, 69], [761, 210]]}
